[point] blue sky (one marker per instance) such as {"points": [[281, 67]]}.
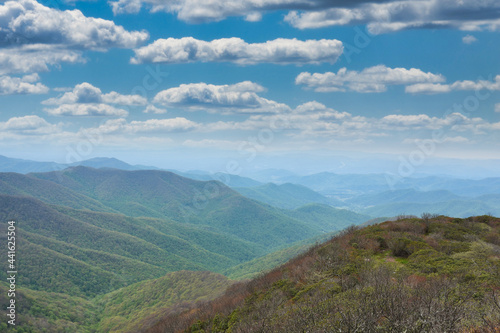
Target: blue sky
{"points": [[156, 81]]}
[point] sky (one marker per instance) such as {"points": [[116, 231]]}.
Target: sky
{"points": [[225, 84]]}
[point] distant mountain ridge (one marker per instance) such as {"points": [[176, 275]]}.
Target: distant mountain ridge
{"points": [[162, 194], [287, 195], [27, 166], [371, 194]]}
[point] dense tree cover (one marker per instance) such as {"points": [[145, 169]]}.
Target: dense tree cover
{"points": [[47, 312], [128, 309], [435, 274], [320, 216], [258, 266], [132, 308], [75, 244], [165, 195], [47, 191]]}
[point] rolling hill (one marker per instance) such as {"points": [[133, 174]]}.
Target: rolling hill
{"points": [[83, 257], [49, 192], [288, 196], [27, 166], [230, 180], [162, 194], [130, 309], [347, 186], [8, 164], [327, 218], [406, 195], [456, 208]]}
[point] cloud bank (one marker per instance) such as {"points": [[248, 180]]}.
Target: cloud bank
{"points": [[278, 51], [236, 98], [22, 85], [381, 16], [369, 80]]}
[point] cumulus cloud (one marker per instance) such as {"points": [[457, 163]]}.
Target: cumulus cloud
{"points": [[87, 110], [427, 88], [85, 93], [481, 84], [373, 79], [321, 110], [311, 119], [29, 125], [117, 126], [469, 39], [314, 120], [34, 37], [380, 15], [405, 121], [200, 11], [153, 109], [35, 58], [455, 121], [29, 22], [281, 51], [22, 85], [400, 15], [236, 98]]}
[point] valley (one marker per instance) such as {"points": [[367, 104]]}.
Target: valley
{"points": [[123, 249]]}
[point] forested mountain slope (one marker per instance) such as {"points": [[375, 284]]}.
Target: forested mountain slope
{"points": [[436, 274]]}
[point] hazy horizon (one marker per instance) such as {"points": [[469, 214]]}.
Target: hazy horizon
{"points": [[308, 164]]}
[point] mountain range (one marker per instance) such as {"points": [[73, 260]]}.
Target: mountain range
{"points": [[120, 247], [83, 233]]}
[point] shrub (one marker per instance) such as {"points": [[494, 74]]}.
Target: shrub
{"points": [[404, 247]]}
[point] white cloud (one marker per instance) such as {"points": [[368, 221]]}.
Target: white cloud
{"points": [[402, 122], [454, 122], [400, 15], [380, 16], [253, 17], [153, 109], [29, 22], [427, 88], [85, 93], [22, 85], [446, 139], [162, 125], [236, 98], [321, 110], [87, 110], [178, 124], [310, 119], [469, 39], [314, 120], [497, 107], [34, 37], [214, 143], [195, 11], [455, 139], [481, 84], [281, 51], [373, 79], [29, 125], [35, 58]]}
